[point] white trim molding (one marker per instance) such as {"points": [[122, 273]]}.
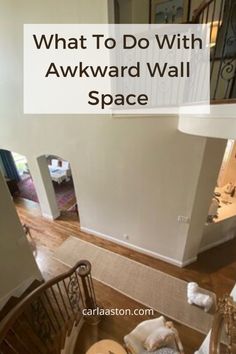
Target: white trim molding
{"points": [[188, 261], [217, 243], [138, 248], [51, 216]]}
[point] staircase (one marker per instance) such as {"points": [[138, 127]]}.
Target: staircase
{"points": [[221, 16], [48, 320], [14, 300]]}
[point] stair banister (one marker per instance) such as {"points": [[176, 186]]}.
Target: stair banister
{"points": [[49, 312]]}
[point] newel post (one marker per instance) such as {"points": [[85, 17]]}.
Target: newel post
{"points": [[84, 272]]}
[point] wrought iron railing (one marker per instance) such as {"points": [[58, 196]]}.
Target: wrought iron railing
{"points": [[41, 322], [221, 15]]}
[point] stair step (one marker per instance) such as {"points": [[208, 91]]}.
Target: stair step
{"points": [[13, 301]]}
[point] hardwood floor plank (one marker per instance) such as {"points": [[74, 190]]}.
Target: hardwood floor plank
{"points": [[215, 270]]}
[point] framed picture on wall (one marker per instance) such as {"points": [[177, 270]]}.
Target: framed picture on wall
{"points": [[169, 11]]}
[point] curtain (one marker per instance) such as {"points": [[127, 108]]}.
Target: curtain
{"points": [[9, 165]]}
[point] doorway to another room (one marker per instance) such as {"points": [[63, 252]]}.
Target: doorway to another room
{"points": [[25, 184], [220, 225], [14, 167], [223, 204], [63, 185]]}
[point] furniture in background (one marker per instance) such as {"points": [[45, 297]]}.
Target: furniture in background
{"points": [[156, 335], [213, 210], [32, 242], [58, 176], [59, 170], [54, 163], [65, 166]]}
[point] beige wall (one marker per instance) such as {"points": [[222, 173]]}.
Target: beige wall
{"points": [[17, 265], [132, 176], [213, 154]]}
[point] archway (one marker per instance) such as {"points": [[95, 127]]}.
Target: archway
{"points": [[63, 184], [15, 169], [221, 219], [223, 203]]}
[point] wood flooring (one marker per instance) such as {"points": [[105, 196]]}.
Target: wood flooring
{"points": [[215, 270]]}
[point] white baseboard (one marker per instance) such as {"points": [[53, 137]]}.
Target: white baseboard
{"points": [[50, 216], [138, 248], [18, 291], [188, 261], [216, 243]]}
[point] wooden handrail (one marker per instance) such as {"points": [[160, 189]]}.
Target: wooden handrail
{"points": [[77, 287], [226, 101]]}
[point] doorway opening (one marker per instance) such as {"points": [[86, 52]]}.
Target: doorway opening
{"points": [[223, 204], [63, 184], [15, 169]]}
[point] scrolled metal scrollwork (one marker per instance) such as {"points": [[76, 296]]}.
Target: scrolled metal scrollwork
{"points": [[228, 69], [74, 292]]}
